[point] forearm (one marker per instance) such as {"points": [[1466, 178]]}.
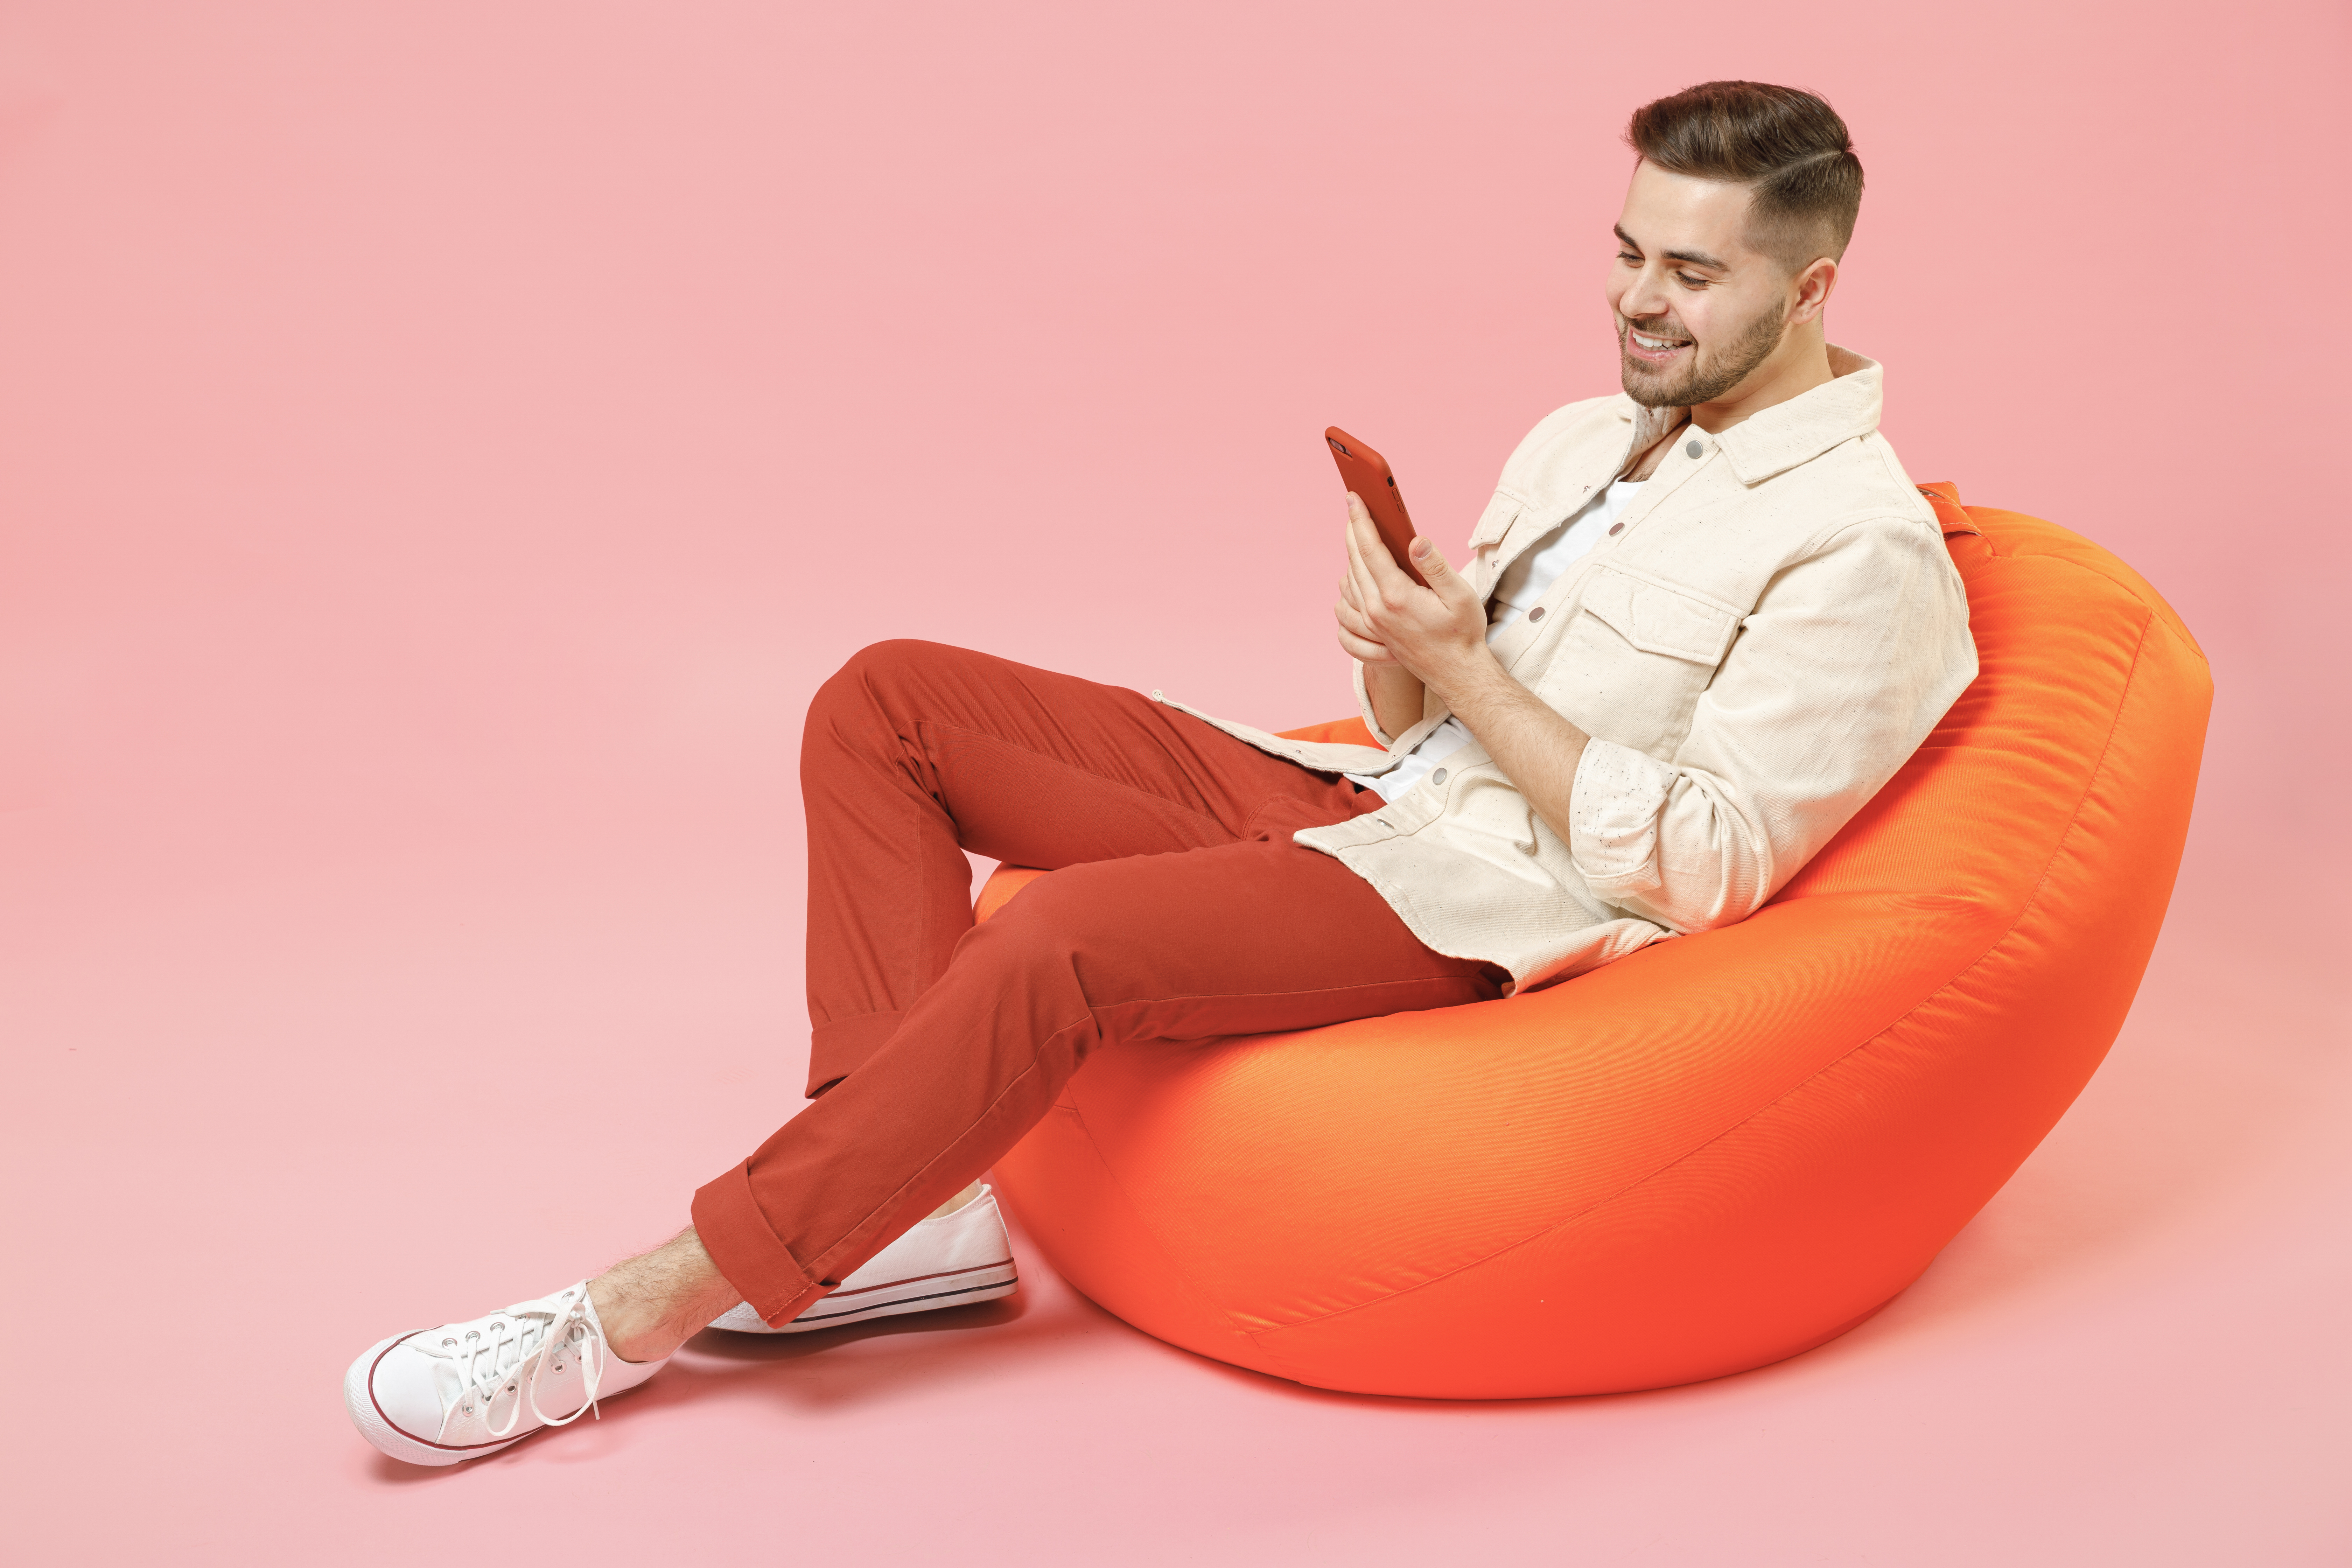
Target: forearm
{"points": [[1396, 695], [1537, 750]]}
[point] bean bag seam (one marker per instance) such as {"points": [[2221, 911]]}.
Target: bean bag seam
{"points": [[2074, 820], [2155, 617], [2160, 613]]}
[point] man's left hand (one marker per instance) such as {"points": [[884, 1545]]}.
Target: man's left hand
{"points": [[1439, 633]]}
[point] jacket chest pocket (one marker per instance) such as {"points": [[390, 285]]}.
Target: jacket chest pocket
{"points": [[1633, 661], [1495, 522]]}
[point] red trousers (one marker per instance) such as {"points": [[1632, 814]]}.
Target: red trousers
{"points": [[1178, 908]]}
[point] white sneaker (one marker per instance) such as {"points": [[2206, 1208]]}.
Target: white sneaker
{"points": [[946, 1260], [464, 1390]]}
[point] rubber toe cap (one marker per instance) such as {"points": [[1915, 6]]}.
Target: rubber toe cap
{"points": [[404, 1386]]}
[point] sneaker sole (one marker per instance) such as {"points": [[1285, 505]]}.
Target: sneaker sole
{"points": [[359, 1399], [924, 1293]]}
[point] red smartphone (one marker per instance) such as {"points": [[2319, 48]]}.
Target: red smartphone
{"points": [[1366, 472]]}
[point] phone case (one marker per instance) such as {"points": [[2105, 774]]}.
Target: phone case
{"points": [[1367, 473]]}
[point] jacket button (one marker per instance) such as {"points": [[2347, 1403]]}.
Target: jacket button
{"points": [[1693, 450], [1156, 697], [1437, 777], [1616, 527], [1536, 614]]}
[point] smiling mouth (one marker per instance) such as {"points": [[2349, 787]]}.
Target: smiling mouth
{"points": [[1649, 347]]}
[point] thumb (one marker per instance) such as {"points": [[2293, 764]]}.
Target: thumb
{"points": [[1429, 562]]}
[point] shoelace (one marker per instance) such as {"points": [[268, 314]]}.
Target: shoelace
{"points": [[537, 1338], [580, 1332]]}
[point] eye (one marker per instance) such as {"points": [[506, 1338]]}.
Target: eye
{"points": [[1687, 282], [1628, 259]]}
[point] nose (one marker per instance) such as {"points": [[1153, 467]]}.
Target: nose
{"points": [[1644, 299]]}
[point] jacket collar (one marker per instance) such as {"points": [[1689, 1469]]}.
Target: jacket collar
{"points": [[1787, 434]]}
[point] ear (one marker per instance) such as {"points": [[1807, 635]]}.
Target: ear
{"points": [[1811, 289]]}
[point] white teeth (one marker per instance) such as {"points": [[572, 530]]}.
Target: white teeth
{"points": [[1654, 345]]}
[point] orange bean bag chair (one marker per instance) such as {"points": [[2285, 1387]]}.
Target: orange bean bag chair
{"points": [[1720, 1151]]}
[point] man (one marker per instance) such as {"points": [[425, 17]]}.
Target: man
{"points": [[1701, 623]]}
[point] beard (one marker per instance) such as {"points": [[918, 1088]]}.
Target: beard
{"points": [[1710, 373]]}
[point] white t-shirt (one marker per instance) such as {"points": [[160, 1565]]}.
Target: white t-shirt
{"points": [[1525, 580]]}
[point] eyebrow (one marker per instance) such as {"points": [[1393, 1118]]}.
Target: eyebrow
{"points": [[1694, 258]]}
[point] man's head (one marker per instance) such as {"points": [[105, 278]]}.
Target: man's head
{"points": [[1740, 207]]}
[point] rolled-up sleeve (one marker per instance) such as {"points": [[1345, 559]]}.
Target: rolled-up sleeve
{"points": [[1850, 658], [1613, 811]]}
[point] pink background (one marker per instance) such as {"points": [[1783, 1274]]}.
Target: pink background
{"points": [[442, 444]]}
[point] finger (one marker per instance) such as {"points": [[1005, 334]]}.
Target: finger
{"points": [[1364, 542], [1354, 608], [1365, 649], [1360, 571], [1444, 581], [1354, 621], [1384, 578], [1361, 534]]}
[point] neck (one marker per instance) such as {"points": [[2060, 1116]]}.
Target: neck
{"points": [[1800, 363]]}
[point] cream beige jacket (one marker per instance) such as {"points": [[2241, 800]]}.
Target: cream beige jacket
{"points": [[1771, 630]]}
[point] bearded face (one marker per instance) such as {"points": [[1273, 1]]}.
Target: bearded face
{"points": [[1665, 366], [1700, 310]]}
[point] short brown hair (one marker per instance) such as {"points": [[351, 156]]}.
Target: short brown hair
{"points": [[1785, 144]]}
